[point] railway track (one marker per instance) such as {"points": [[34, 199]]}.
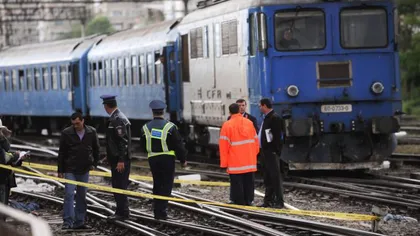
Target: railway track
{"points": [[247, 223], [224, 221]]}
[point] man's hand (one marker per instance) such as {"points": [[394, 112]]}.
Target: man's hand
{"points": [[120, 167], [60, 175]]}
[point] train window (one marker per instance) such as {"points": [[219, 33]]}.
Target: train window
{"points": [[54, 80], [196, 38], [206, 42], [45, 78], [185, 59], [122, 81], [14, 80], [134, 67], [101, 79], [108, 70], [230, 37], [158, 71], [69, 76], [217, 39], [6, 81], [396, 25], [1, 81], [172, 71], [37, 79], [300, 30], [29, 80], [128, 71], [363, 28], [142, 76], [21, 75], [94, 75], [91, 75], [74, 74], [63, 77], [252, 41], [114, 81], [149, 68]]}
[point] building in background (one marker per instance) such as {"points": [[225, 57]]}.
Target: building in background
{"points": [[122, 15]]}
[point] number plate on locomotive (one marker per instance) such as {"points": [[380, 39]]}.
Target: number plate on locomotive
{"points": [[336, 108]]}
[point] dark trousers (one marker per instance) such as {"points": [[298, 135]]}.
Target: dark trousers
{"points": [[120, 180], [163, 171], [273, 179], [242, 188], [4, 197]]}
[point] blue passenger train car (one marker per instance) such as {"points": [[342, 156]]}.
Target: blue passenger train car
{"points": [[128, 64], [41, 84]]}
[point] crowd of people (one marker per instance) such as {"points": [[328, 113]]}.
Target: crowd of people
{"points": [[241, 143]]}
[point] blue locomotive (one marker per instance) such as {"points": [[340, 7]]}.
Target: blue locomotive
{"points": [[331, 69]]}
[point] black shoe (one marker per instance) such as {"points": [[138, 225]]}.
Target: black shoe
{"points": [[66, 227], [161, 217], [278, 205], [117, 217], [83, 227], [265, 204]]}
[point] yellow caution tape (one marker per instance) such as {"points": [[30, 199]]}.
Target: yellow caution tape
{"points": [[135, 177], [333, 215]]}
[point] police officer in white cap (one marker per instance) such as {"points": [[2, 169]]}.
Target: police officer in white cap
{"points": [[162, 142]]}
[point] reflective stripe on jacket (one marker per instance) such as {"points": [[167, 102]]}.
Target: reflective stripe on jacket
{"points": [[161, 134], [238, 145]]}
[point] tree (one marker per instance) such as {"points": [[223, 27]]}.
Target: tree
{"points": [[409, 45], [99, 25]]}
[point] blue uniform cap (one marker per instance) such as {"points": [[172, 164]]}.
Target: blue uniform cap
{"points": [[157, 105], [108, 98]]}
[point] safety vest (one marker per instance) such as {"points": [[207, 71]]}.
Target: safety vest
{"points": [[161, 134], [238, 145]]}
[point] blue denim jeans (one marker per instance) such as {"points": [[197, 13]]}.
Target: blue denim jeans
{"points": [[75, 217]]}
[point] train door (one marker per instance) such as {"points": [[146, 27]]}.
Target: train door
{"points": [[255, 56], [173, 80], [76, 91]]}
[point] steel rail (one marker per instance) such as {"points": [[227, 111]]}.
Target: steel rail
{"points": [[143, 231], [210, 210]]}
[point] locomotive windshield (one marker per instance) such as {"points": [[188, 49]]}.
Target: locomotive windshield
{"points": [[363, 28], [300, 30]]}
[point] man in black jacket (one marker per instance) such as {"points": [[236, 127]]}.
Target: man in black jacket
{"points": [[78, 154], [271, 145], [118, 146], [7, 177], [242, 108]]}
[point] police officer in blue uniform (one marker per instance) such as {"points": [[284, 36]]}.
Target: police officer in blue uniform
{"points": [[162, 142], [118, 146]]}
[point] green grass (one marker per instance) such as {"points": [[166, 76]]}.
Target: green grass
{"points": [[412, 107]]}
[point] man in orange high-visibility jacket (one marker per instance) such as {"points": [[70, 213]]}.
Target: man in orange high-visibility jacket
{"points": [[239, 147]]}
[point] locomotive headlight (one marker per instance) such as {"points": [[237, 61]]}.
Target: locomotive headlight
{"points": [[377, 87], [292, 90]]}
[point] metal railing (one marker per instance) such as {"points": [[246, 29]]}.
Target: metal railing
{"points": [[37, 225]]}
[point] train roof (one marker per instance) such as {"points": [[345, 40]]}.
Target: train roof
{"points": [[48, 52], [221, 7], [131, 41]]}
